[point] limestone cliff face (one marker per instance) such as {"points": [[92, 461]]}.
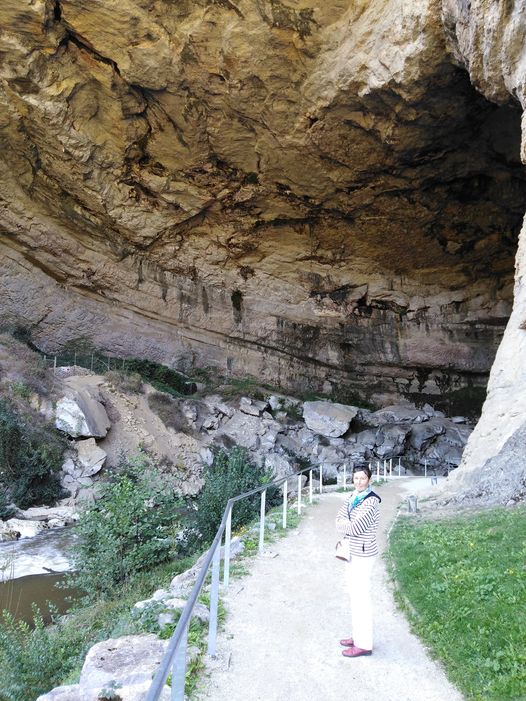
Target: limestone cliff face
{"points": [[489, 39], [313, 195]]}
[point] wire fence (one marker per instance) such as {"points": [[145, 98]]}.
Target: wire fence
{"points": [[96, 362]]}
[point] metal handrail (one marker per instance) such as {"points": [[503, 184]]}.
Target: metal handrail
{"points": [[175, 656]]}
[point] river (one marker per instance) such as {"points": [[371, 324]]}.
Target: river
{"points": [[29, 570]]}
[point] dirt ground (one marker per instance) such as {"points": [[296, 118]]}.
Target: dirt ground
{"points": [[285, 619]]}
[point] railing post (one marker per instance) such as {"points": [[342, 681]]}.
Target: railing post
{"points": [[228, 534], [310, 486], [285, 505], [179, 668], [321, 479], [214, 600], [299, 494], [262, 521]]}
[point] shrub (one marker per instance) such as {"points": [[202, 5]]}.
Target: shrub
{"points": [[161, 377], [30, 456], [34, 660], [131, 527], [230, 473], [125, 382], [169, 411]]}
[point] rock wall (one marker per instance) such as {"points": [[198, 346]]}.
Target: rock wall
{"points": [[489, 39], [316, 196]]}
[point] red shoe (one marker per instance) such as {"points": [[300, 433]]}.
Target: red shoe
{"points": [[356, 652], [347, 642]]}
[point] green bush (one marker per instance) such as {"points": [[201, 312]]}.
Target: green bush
{"points": [[230, 473], [131, 527], [34, 659], [30, 457], [162, 378]]}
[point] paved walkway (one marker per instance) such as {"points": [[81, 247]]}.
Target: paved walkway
{"points": [[286, 617]]}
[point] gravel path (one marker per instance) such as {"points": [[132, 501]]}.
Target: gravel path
{"points": [[286, 617]]}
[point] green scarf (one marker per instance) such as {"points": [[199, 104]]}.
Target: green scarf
{"points": [[358, 499]]}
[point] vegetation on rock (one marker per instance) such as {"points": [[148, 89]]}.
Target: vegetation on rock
{"points": [[30, 457]]}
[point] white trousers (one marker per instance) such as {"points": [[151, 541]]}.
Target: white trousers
{"points": [[358, 581]]}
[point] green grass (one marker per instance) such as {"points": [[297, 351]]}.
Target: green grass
{"points": [[463, 583]]}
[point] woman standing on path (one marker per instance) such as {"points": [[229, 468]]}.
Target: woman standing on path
{"points": [[357, 521]]}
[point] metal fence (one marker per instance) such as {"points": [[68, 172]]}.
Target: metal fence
{"points": [[96, 362], [174, 660]]}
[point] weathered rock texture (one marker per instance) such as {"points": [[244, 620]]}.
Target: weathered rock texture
{"points": [[489, 39], [313, 194]]}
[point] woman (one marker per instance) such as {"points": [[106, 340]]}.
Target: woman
{"points": [[358, 520]]}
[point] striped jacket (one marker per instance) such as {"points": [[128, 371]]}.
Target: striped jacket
{"points": [[360, 525]]}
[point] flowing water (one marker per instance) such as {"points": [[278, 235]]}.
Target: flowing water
{"points": [[29, 570]]}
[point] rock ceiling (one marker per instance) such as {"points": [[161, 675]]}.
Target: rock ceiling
{"points": [[317, 196]]}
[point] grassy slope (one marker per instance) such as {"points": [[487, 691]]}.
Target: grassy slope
{"points": [[465, 582]]}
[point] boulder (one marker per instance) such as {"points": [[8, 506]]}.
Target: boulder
{"points": [[443, 454], [183, 582], [63, 693], [366, 440], [396, 414], [206, 456], [268, 434], [292, 483], [8, 534], [252, 406], [177, 604], [71, 485], [70, 468], [243, 429], [299, 442], [91, 458], [278, 465], [81, 413], [66, 514], [390, 440], [123, 665], [26, 528], [327, 418], [190, 412], [217, 405], [236, 548], [457, 434], [129, 661], [423, 433]]}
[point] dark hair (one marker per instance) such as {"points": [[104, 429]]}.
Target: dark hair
{"points": [[363, 468]]}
